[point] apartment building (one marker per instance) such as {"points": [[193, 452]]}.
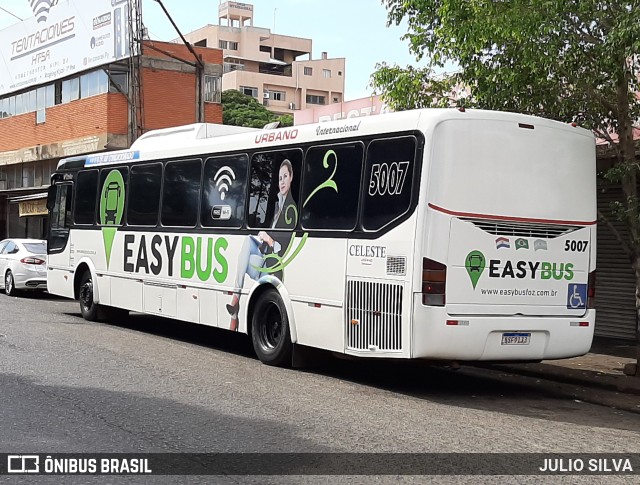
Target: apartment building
{"points": [[278, 70], [91, 111]]}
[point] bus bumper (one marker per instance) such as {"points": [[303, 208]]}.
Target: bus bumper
{"points": [[437, 335]]}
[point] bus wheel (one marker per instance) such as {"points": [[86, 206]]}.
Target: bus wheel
{"points": [[88, 307], [270, 330]]}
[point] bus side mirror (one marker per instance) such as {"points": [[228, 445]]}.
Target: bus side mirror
{"points": [[51, 197]]}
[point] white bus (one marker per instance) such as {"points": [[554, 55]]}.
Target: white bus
{"points": [[432, 234]]}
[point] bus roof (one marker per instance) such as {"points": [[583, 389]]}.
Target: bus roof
{"points": [[199, 138]]}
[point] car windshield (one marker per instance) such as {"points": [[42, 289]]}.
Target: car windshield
{"points": [[36, 248]]}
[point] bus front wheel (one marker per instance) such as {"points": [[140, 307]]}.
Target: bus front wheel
{"points": [[270, 332], [88, 307]]}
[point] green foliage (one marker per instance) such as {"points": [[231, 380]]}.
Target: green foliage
{"points": [[561, 59], [238, 109]]}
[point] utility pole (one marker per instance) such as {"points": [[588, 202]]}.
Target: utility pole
{"points": [[199, 66]]}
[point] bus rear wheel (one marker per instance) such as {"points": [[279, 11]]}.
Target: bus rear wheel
{"points": [[270, 331], [88, 307]]}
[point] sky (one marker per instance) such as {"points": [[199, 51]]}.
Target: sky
{"points": [[353, 29]]}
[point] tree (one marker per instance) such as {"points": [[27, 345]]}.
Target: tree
{"points": [[569, 60], [238, 109]]}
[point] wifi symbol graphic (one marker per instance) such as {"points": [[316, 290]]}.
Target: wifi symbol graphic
{"points": [[223, 179], [41, 8]]}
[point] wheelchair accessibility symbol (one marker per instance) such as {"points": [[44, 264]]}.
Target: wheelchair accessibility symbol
{"points": [[577, 296]]}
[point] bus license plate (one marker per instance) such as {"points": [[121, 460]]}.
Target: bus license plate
{"points": [[516, 338]]}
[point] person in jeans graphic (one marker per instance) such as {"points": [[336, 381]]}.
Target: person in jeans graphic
{"points": [[255, 248]]}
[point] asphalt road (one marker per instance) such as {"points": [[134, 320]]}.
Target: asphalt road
{"points": [[150, 385]]}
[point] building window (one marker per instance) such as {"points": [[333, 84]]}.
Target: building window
{"points": [[265, 48], [233, 66], [19, 104], [308, 71], [5, 112], [93, 83], [336, 100], [223, 44], [70, 90], [233, 46], [57, 95], [326, 73], [339, 73], [313, 99], [118, 82], [50, 96], [249, 91], [278, 95], [212, 89], [31, 101], [41, 95]]}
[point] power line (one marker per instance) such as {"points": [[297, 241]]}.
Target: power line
{"points": [[12, 14]]}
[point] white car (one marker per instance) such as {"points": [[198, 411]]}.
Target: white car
{"points": [[23, 265]]}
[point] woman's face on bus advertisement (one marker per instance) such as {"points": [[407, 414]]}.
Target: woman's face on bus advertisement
{"points": [[284, 180]]}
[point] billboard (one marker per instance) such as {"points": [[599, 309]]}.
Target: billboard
{"points": [[63, 37]]}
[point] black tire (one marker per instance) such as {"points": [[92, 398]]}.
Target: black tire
{"points": [[270, 331], [88, 307], [9, 284]]}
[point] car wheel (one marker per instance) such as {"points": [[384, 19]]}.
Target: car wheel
{"points": [[88, 307], [9, 284], [270, 332]]}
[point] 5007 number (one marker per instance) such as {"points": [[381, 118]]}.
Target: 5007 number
{"points": [[577, 246], [388, 178]]}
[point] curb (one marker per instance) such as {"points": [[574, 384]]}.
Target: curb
{"points": [[550, 384], [585, 378]]}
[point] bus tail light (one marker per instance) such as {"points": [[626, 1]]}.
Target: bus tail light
{"points": [[591, 290], [434, 281]]}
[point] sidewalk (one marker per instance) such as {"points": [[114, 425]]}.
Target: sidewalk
{"points": [[598, 374]]}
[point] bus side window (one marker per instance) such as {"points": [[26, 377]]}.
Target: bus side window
{"points": [[388, 181], [331, 186], [265, 203], [144, 195], [181, 193], [85, 204], [223, 191], [61, 214]]}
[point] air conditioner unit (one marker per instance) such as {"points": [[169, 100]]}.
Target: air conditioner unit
{"points": [[265, 95], [292, 105]]}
